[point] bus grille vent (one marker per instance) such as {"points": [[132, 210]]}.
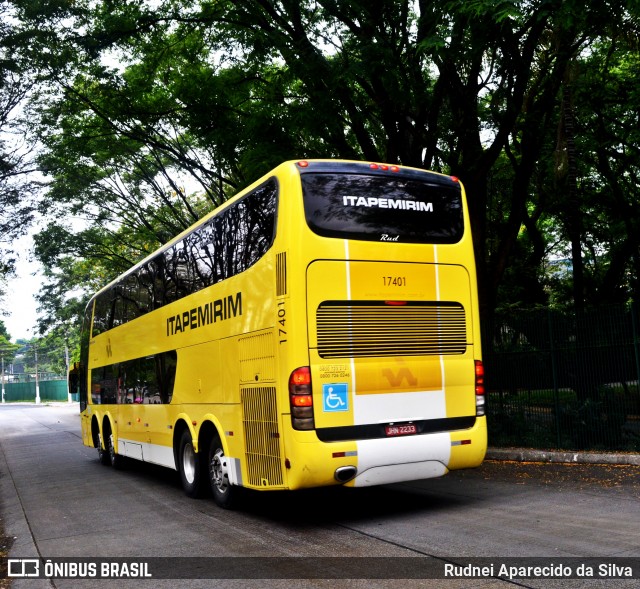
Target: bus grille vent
{"points": [[373, 329], [261, 436], [281, 274], [257, 357]]}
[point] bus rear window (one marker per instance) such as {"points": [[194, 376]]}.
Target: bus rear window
{"points": [[383, 208]]}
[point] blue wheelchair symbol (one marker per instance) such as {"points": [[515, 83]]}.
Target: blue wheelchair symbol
{"points": [[335, 397]]}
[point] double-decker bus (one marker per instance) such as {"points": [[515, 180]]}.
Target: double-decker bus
{"points": [[319, 328]]}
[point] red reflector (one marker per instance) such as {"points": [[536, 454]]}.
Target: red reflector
{"points": [[303, 164], [465, 442], [339, 454], [395, 303]]}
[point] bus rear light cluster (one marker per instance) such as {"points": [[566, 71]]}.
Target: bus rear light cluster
{"points": [[301, 399], [480, 398]]}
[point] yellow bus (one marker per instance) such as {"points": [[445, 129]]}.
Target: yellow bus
{"points": [[319, 328]]}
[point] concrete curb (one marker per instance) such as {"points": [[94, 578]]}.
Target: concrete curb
{"points": [[553, 456]]}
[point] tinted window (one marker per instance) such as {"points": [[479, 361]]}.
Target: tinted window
{"points": [[84, 357], [383, 208], [146, 380], [227, 244]]}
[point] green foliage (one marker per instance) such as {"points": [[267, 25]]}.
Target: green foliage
{"points": [[150, 114], [8, 350]]}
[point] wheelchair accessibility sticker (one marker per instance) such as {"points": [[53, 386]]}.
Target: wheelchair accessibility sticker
{"points": [[335, 397]]}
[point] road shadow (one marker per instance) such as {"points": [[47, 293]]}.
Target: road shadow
{"points": [[338, 504], [322, 505]]}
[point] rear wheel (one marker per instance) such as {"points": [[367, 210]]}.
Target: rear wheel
{"points": [[189, 466], [103, 453], [224, 493], [114, 459]]}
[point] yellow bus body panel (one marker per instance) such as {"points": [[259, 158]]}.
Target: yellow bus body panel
{"points": [[238, 341]]}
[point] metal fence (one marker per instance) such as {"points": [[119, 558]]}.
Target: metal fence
{"points": [[557, 380], [50, 390]]}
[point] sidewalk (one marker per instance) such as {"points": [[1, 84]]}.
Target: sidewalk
{"points": [[580, 457]]}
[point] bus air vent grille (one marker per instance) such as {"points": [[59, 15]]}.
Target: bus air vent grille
{"points": [[281, 274], [261, 436], [362, 329]]}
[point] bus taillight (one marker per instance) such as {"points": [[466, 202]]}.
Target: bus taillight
{"points": [[301, 399], [480, 399]]}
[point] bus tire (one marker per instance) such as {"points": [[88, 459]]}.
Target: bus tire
{"points": [[189, 466], [103, 453], [224, 493], [114, 459]]}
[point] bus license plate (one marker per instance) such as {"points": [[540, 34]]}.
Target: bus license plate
{"points": [[400, 430]]}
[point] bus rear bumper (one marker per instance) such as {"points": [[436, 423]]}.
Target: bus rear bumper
{"points": [[384, 461], [395, 473]]}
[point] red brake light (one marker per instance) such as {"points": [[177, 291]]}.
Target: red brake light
{"points": [[299, 377], [301, 399], [479, 378]]}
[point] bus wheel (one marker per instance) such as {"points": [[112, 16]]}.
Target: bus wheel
{"points": [[114, 459], [188, 465], [224, 493], [103, 453]]}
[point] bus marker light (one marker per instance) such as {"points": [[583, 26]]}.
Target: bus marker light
{"points": [[303, 164], [373, 166], [395, 303]]}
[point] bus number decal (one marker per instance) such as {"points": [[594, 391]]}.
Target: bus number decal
{"points": [[394, 280], [282, 320]]}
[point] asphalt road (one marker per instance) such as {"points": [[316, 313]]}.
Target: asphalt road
{"points": [[57, 500]]}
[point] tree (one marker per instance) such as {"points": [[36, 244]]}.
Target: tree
{"points": [[17, 190], [8, 351], [151, 114]]}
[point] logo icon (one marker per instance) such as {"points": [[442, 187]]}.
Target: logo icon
{"points": [[23, 567], [335, 397]]}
